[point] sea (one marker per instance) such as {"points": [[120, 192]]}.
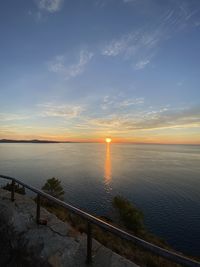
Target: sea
{"points": [[163, 181]]}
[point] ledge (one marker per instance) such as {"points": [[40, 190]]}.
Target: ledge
{"points": [[57, 244]]}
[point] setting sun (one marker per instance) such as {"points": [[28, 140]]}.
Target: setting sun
{"points": [[108, 140]]}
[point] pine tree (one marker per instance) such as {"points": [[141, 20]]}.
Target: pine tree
{"points": [[54, 188]]}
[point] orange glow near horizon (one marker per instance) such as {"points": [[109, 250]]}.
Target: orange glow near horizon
{"points": [[176, 138], [193, 140]]}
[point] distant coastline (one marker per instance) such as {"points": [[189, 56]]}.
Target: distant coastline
{"points": [[35, 141]]}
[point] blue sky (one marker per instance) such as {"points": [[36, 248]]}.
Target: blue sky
{"points": [[84, 70]]}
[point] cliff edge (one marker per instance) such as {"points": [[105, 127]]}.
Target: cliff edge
{"points": [[24, 243]]}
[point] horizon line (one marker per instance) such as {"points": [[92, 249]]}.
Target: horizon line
{"points": [[5, 140]]}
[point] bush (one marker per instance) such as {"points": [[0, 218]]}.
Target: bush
{"points": [[54, 188], [131, 217], [18, 189]]}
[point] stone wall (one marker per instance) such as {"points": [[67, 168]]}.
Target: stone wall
{"points": [[24, 243]]}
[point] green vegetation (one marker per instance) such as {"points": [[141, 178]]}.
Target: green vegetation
{"points": [[130, 216], [54, 188], [131, 219], [18, 189], [125, 215]]}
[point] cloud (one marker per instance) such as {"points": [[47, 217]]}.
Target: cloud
{"points": [[13, 117], [118, 103], [127, 45], [116, 47], [160, 119], [63, 111], [141, 64], [79, 67], [131, 102], [141, 45], [50, 6], [70, 71], [57, 65], [134, 46], [139, 42]]}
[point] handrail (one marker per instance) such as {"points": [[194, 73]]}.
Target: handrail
{"points": [[169, 255]]}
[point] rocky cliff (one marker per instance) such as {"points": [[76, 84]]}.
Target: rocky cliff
{"points": [[24, 243]]}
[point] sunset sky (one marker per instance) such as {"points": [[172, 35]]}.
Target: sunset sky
{"points": [[83, 70]]}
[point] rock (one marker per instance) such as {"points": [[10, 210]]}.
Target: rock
{"points": [[26, 244]]}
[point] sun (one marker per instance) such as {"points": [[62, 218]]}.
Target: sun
{"points": [[108, 140]]}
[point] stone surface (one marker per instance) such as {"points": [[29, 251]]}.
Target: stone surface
{"points": [[24, 243]]}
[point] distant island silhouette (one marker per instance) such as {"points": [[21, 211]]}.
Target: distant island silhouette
{"points": [[32, 141]]}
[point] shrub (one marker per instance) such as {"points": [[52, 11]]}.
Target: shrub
{"points": [[131, 217], [18, 189], [54, 188]]}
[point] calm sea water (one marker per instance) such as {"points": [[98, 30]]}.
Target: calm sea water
{"points": [[162, 180]]}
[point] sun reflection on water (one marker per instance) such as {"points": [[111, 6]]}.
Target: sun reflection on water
{"points": [[108, 170]]}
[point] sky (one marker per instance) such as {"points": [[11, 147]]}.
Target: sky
{"points": [[83, 70]]}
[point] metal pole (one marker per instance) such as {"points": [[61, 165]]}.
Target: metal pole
{"points": [[167, 254], [89, 243], [13, 190], [38, 209]]}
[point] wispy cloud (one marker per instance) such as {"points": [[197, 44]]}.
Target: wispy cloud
{"points": [[57, 65], [131, 102], [63, 111], [128, 44], [141, 64], [141, 45], [120, 102], [13, 117], [50, 6], [160, 119], [79, 67], [117, 47], [138, 47], [69, 71]]}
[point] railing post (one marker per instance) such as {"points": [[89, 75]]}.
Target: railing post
{"points": [[13, 190], [91, 220], [38, 209], [89, 243]]}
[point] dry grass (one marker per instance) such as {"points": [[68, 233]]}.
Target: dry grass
{"points": [[122, 247]]}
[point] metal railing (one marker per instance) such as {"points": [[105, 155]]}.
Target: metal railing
{"points": [[92, 220]]}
